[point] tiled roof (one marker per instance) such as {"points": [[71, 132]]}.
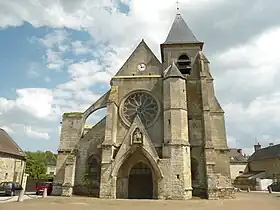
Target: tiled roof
{"points": [[236, 157], [267, 152], [7, 145], [180, 33]]}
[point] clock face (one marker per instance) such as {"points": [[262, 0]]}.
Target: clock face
{"points": [[141, 67]]}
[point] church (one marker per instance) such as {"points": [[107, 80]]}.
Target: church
{"points": [[163, 136]]}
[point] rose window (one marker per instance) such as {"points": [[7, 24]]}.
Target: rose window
{"points": [[142, 104]]}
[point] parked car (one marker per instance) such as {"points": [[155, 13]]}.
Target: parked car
{"points": [[10, 188], [40, 186], [275, 187]]}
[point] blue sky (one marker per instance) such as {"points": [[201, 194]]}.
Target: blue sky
{"points": [[58, 56]]}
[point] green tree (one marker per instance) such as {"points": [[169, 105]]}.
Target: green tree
{"points": [[36, 164]]}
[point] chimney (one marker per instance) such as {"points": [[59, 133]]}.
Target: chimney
{"points": [[271, 144], [257, 147], [240, 151]]}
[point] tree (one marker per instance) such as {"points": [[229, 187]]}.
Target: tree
{"points": [[36, 164]]}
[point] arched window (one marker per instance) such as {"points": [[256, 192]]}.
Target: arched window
{"points": [[184, 64], [93, 165], [93, 174]]}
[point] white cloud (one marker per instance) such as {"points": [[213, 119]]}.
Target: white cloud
{"points": [[35, 101], [30, 132], [250, 89], [80, 48], [7, 129], [84, 75], [252, 68], [257, 116]]}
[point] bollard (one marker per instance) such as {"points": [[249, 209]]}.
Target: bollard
{"points": [[21, 196], [45, 193], [23, 186]]}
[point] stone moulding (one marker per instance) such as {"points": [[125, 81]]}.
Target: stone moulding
{"points": [[73, 114]]}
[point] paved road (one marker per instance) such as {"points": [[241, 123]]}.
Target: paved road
{"points": [[248, 201], [28, 195]]}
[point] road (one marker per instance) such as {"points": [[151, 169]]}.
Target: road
{"points": [[249, 201], [28, 195]]}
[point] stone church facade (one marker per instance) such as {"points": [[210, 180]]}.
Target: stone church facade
{"points": [[164, 133]]}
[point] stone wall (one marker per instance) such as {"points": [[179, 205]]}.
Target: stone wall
{"points": [[11, 167], [89, 146]]}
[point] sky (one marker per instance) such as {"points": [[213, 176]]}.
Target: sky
{"points": [[58, 56]]}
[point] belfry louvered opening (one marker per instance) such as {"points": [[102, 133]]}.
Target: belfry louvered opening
{"points": [[184, 64]]}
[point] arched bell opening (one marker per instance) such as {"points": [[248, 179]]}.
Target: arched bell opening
{"points": [[184, 64]]}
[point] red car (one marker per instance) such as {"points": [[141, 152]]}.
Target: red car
{"points": [[40, 186]]}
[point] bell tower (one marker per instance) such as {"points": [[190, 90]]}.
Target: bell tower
{"points": [[180, 46]]}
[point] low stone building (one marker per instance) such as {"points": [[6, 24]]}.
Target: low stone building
{"points": [[266, 159], [12, 159], [238, 163]]}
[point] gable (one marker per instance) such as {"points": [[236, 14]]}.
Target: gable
{"points": [[141, 55], [127, 144], [8, 145]]}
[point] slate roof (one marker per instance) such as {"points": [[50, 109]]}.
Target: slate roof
{"points": [[173, 71], [236, 157], [267, 152], [8, 145], [180, 33]]}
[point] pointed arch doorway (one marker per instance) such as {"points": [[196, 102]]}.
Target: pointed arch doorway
{"points": [[140, 182]]}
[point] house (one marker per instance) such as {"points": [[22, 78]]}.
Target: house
{"points": [[51, 166], [266, 159], [263, 164], [12, 159], [238, 163]]}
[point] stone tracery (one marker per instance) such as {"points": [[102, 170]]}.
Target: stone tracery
{"points": [[142, 104]]}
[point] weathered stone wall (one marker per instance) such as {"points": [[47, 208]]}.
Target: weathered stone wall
{"points": [[222, 162], [176, 137], [89, 145], [11, 168], [129, 79], [71, 132]]}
